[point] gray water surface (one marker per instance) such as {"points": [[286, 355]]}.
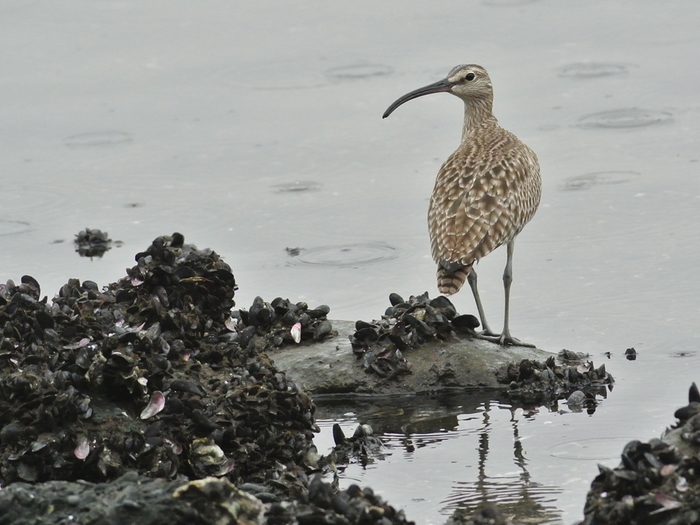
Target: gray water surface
{"points": [[256, 127]]}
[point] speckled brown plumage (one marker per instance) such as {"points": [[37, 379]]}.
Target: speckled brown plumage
{"points": [[484, 195], [485, 192]]}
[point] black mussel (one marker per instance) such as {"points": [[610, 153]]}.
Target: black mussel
{"points": [[305, 320], [289, 318], [443, 305], [181, 385], [260, 313], [359, 325], [246, 336], [465, 323], [44, 319], [91, 286], [316, 313], [368, 334], [177, 240], [693, 394], [338, 435], [421, 328], [31, 286], [395, 299], [199, 417], [281, 306], [399, 342], [323, 329]]}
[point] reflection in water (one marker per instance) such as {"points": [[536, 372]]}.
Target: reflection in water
{"points": [[515, 494], [423, 426]]}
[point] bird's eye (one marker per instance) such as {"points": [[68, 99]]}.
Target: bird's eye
{"points": [[470, 76]]}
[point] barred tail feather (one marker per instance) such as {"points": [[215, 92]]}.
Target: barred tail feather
{"points": [[451, 281]]}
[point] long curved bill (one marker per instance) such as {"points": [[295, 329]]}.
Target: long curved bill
{"points": [[440, 86]]}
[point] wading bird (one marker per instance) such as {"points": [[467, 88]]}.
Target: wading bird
{"points": [[485, 192]]}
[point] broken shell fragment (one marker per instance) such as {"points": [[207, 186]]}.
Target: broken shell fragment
{"points": [[296, 332], [82, 450], [155, 405]]}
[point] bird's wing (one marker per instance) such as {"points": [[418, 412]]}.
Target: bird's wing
{"points": [[476, 205]]}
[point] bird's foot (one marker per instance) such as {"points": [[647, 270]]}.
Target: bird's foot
{"points": [[504, 339]]}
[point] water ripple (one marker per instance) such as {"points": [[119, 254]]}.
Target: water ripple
{"points": [[345, 255], [624, 118], [587, 181], [593, 69]]}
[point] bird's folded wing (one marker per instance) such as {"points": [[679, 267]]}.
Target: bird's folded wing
{"points": [[474, 207]]}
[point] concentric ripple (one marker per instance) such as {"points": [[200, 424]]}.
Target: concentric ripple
{"points": [[98, 138], [599, 449], [274, 75], [587, 181], [593, 69], [625, 118], [345, 255], [9, 227], [358, 71]]}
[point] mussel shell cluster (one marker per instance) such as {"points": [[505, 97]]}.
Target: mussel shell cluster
{"points": [[544, 382], [142, 375], [407, 324], [271, 325], [657, 481], [92, 243], [325, 505], [362, 447]]}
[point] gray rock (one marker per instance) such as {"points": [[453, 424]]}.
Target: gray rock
{"points": [[128, 500], [330, 367]]}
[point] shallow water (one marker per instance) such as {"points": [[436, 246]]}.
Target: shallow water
{"points": [[256, 128]]}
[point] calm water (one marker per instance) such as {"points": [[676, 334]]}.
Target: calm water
{"points": [[255, 127]]}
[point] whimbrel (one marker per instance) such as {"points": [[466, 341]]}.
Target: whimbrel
{"points": [[484, 194]]}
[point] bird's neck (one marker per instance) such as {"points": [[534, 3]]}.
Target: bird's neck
{"points": [[477, 113]]}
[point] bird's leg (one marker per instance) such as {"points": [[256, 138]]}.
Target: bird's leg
{"points": [[472, 284], [505, 338]]}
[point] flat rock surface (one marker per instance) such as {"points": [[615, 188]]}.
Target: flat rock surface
{"points": [[331, 367]]}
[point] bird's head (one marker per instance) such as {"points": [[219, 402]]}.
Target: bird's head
{"points": [[468, 82]]}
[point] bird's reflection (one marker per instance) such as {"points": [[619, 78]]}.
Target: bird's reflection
{"points": [[412, 424]]}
